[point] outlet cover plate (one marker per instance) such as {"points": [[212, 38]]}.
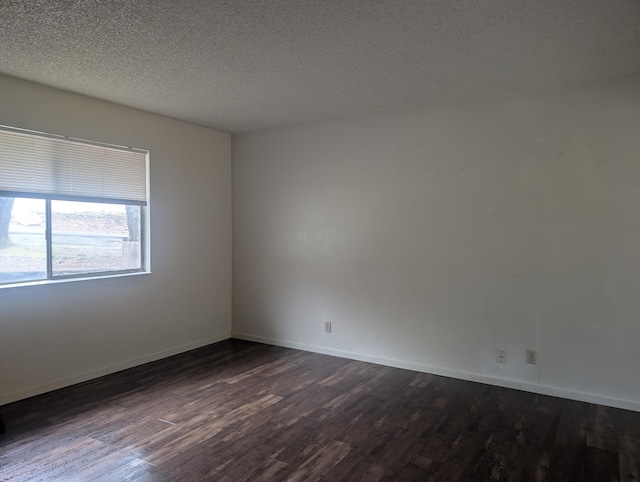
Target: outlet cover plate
{"points": [[501, 357]]}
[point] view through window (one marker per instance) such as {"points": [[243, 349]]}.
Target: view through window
{"points": [[86, 238]]}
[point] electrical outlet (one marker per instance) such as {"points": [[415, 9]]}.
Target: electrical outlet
{"points": [[327, 327], [532, 357], [501, 357]]}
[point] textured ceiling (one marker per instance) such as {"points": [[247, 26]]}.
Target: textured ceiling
{"points": [[237, 65]]}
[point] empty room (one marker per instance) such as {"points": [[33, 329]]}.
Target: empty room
{"points": [[325, 240]]}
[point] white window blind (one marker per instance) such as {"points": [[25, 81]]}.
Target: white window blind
{"points": [[39, 165]]}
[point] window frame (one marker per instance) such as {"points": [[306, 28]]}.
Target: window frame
{"points": [[47, 197]]}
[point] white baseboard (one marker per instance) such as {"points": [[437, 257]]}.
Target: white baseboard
{"points": [[83, 377], [528, 387], [473, 377]]}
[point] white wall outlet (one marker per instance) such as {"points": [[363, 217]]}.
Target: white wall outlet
{"points": [[501, 357], [532, 357], [327, 327]]}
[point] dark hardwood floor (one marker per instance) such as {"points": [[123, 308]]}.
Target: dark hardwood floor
{"points": [[238, 411]]}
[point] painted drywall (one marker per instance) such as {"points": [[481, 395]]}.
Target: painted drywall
{"points": [[55, 335], [430, 238]]}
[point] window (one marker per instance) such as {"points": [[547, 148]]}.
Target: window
{"points": [[69, 208]]}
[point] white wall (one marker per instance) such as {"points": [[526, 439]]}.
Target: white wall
{"points": [[54, 335], [430, 238]]}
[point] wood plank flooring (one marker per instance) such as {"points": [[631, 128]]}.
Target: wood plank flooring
{"points": [[238, 411]]}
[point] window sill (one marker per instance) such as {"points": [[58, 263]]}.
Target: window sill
{"points": [[72, 280]]}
